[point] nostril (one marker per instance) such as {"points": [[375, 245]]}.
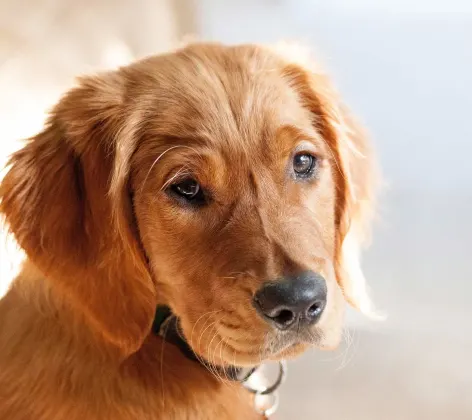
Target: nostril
{"points": [[284, 317]]}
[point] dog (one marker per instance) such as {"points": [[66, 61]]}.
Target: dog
{"points": [[227, 189]]}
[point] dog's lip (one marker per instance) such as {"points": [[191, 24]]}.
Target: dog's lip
{"points": [[285, 344], [241, 351]]}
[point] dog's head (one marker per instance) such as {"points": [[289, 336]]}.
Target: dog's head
{"points": [[229, 183]]}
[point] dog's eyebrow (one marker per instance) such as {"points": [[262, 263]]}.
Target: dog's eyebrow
{"points": [[288, 136]]}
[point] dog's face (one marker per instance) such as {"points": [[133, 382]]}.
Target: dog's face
{"points": [[240, 194], [229, 180]]}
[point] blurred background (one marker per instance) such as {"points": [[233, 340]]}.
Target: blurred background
{"points": [[405, 67]]}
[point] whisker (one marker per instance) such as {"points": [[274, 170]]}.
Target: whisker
{"points": [[162, 154], [223, 371], [200, 359], [156, 160], [207, 364], [349, 352], [166, 329], [198, 320], [204, 330], [212, 358], [179, 172]]}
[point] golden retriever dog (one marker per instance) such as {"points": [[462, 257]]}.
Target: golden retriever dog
{"points": [[228, 184]]}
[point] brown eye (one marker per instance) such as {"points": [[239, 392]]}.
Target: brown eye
{"points": [[189, 189], [304, 164]]}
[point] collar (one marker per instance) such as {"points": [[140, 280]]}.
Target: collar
{"points": [[167, 326]]}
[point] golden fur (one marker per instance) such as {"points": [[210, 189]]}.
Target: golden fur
{"points": [[87, 200]]}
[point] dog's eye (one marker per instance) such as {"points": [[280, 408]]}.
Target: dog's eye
{"points": [[190, 190], [304, 164]]}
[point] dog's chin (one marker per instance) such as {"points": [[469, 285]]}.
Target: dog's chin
{"points": [[250, 358], [280, 348], [294, 350], [285, 348], [223, 347]]}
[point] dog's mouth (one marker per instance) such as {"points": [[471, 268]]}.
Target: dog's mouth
{"points": [[273, 347], [223, 339]]}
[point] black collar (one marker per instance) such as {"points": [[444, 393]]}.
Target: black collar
{"points": [[167, 326]]}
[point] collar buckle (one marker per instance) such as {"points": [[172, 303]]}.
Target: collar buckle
{"points": [[266, 397]]}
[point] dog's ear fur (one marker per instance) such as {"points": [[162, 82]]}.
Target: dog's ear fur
{"points": [[354, 171], [67, 202]]}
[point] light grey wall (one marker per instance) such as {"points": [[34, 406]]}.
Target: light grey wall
{"points": [[405, 67]]}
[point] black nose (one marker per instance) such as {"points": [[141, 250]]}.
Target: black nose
{"points": [[292, 300]]}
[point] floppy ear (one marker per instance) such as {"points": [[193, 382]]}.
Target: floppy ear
{"points": [[67, 202], [355, 177]]}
